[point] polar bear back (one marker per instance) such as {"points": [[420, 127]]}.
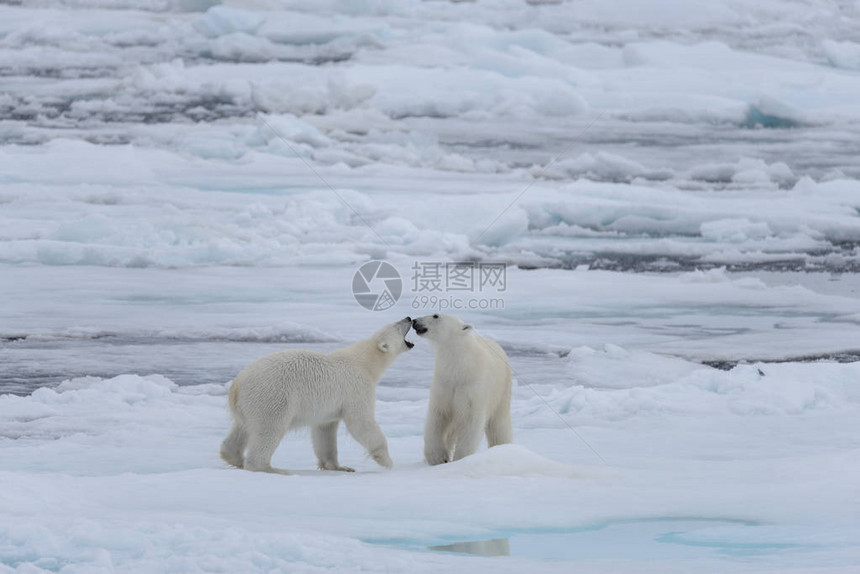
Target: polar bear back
{"points": [[308, 385]]}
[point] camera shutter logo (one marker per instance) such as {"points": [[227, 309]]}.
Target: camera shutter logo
{"points": [[377, 285]]}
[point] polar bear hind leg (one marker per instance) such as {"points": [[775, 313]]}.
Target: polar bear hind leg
{"points": [[262, 444], [234, 445]]}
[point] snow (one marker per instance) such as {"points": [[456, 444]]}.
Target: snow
{"points": [[120, 474], [187, 185]]}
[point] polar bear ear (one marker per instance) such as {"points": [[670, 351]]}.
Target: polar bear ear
{"points": [[383, 346], [466, 327]]}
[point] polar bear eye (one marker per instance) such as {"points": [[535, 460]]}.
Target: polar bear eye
{"points": [[435, 316]]}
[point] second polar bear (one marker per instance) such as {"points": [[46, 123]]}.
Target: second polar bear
{"points": [[471, 390], [298, 388]]}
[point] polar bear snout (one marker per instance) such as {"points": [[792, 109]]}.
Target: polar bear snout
{"points": [[422, 324], [418, 326]]}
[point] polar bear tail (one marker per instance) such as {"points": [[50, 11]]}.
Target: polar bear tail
{"points": [[233, 399]]}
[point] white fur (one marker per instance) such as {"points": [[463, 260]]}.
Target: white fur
{"points": [[471, 391], [298, 388]]}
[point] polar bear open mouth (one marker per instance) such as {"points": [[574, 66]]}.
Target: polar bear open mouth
{"points": [[407, 323]]}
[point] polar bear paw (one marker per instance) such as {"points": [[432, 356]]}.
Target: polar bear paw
{"points": [[323, 466], [382, 459], [436, 458]]}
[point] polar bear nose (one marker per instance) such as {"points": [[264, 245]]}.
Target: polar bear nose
{"points": [[418, 327], [408, 319]]}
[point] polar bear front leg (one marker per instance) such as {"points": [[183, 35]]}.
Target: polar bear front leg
{"points": [[363, 428], [436, 448], [499, 428], [324, 438], [468, 437]]}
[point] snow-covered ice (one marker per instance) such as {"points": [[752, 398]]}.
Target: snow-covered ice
{"points": [[186, 185], [122, 475]]}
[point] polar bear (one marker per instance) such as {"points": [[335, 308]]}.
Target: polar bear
{"points": [[471, 390], [299, 388]]}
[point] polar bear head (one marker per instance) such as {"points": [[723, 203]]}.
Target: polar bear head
{"points": [[392, 337], [438, 328]]}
